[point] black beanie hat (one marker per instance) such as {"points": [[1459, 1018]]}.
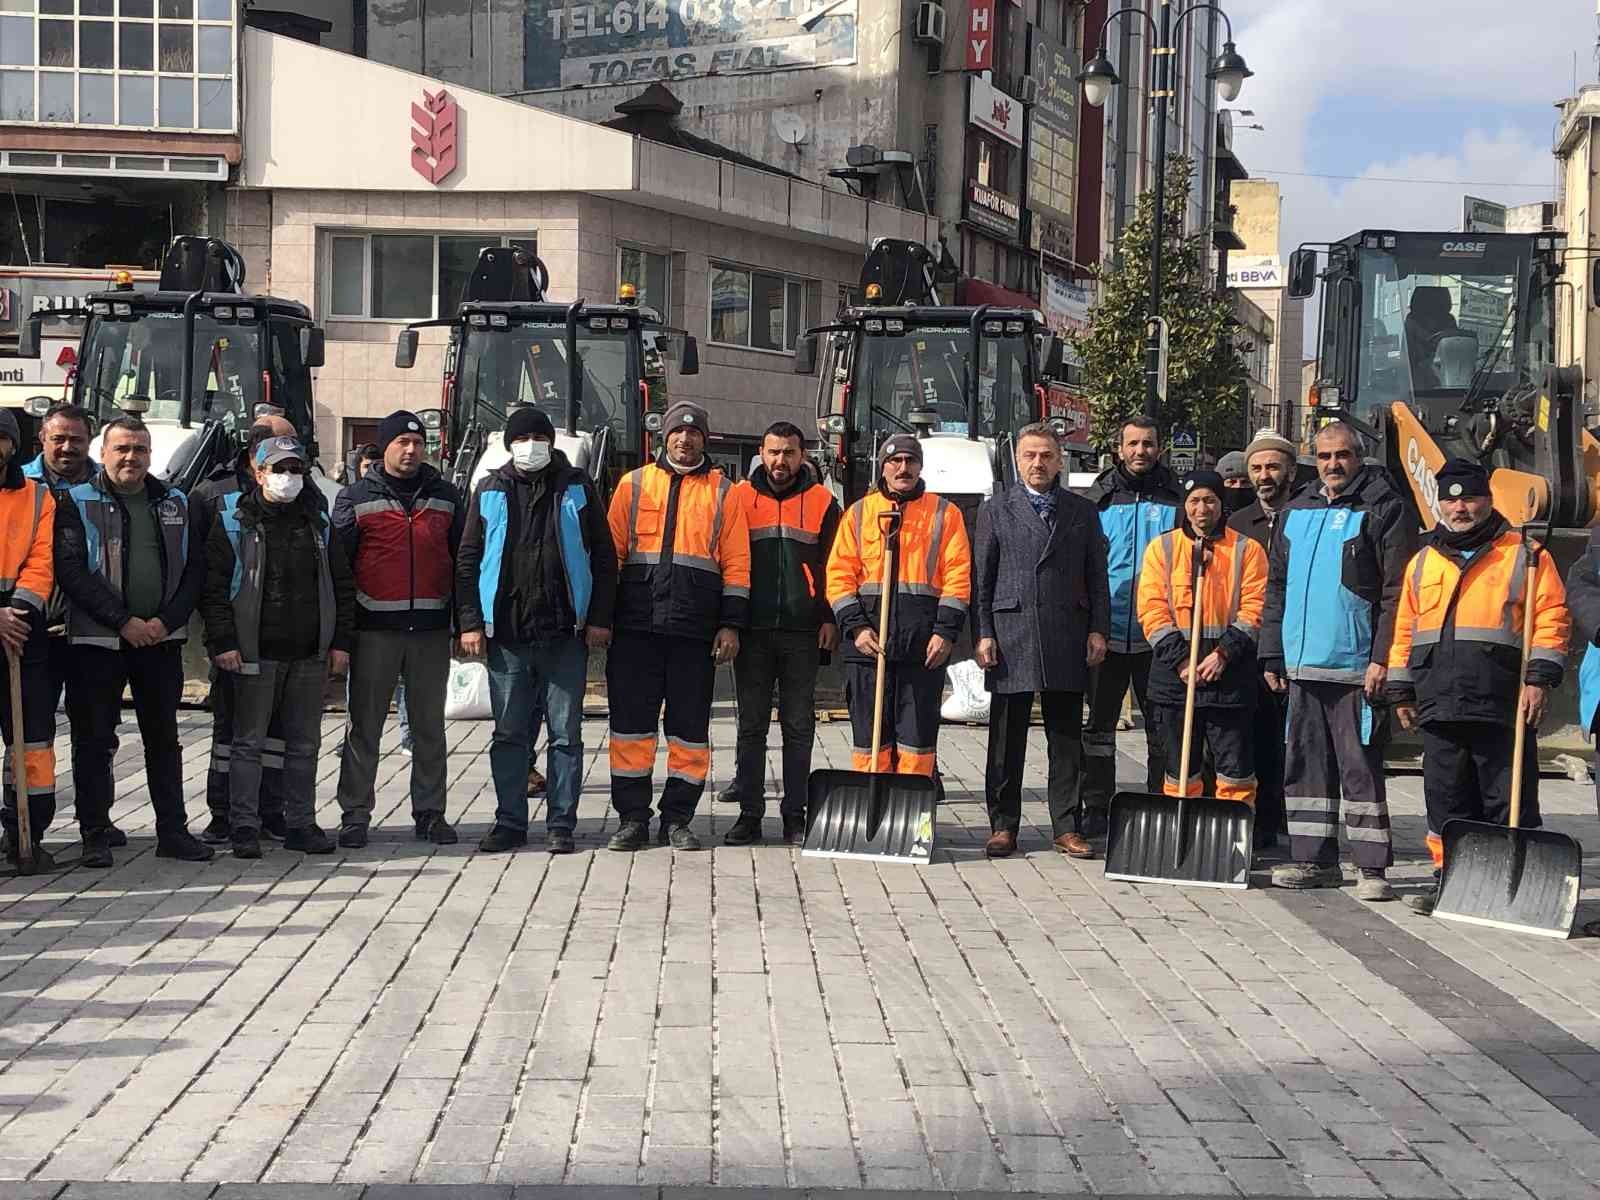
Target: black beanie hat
{"points": [[1209, 480], [394, 425], [1462, 477], [900, 443], [528, 422]]}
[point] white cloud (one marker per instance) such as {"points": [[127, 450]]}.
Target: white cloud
{"points": [[1419, 54]]}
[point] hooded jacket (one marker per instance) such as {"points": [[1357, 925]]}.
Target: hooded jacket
{"points": [[1134, 511], [580, 589], [27, 531], [790, 536], [1334, 582]]}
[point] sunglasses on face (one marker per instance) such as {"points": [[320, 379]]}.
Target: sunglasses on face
{"points": [[288, 468]]}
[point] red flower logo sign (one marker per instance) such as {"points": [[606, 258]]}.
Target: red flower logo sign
{"points": [[434, 136]]}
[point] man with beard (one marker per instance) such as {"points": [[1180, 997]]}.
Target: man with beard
{"points": [[1337, 568], [1138, 501], [1455, 668], [1270, 460], [792, 520]]}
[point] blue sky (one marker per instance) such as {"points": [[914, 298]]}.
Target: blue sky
{"points": [[1456, 90]]}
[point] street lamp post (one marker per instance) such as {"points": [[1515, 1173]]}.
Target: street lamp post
{"points": [[1098, 77]]}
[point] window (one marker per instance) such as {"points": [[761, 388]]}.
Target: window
{"points": [[136, 64], [755, 309], [648, 272], [404, 276]]}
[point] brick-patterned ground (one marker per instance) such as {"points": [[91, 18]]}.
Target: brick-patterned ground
{"points": [[754, 1018]]}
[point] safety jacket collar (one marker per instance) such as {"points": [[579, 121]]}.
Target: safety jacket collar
{"points": [[1454, 545], [1157, 481], [703, 469], [426, 476], [915, 493], [1370, 486], [803, 481], [154, 489]]}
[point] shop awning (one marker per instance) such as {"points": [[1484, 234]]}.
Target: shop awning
{"points": [[981, 291]]}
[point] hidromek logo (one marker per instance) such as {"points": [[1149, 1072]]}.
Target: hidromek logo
{"points": [[1427, 483]]}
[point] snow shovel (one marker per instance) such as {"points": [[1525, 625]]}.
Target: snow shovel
{"points": [[1502, 876], [1196, 840], [19, 776], [865, 814]]}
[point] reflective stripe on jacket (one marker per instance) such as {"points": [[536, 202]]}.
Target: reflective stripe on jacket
{"points": [[93, 572], [933, 583], [790, 536], [403, 558], [684, 552], [244, 591], [1130, 521], [27, 533], [1233, 597], [1457, 650], [1334, 580]]}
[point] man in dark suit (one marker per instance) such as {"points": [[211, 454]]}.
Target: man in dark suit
{"points": [[1043, 606]]}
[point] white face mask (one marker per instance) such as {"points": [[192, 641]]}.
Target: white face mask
{"points": [[530, 454], [280, 489]]}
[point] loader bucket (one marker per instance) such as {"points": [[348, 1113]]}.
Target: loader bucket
{"points": [[1198, 841], [883, 817], [1522, 880]]}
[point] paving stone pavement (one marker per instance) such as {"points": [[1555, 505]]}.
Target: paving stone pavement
{"points": [[749, 1018]]}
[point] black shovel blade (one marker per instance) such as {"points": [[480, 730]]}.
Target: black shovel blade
{"points": [[1198, 841], [856, 814], [1523, 880]]}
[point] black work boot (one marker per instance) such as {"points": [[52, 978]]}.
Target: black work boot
{"points": [[630, 835], [352, 837], [275, 826], [218, 833], [500, 839], [432, 827], [310, 840], [679, 837], [746, 831], [97, 849], [185, 846], [246, 843]]}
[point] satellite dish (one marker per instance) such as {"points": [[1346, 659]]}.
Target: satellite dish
{"points": [[790, 128]]}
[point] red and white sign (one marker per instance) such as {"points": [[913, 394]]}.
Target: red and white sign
{"points": [[435, 136], [1073, 408], [991, 109], [980, 35]]}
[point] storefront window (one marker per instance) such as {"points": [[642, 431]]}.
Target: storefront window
{"points": [[756, 309], [104, 63], [404, 276]]}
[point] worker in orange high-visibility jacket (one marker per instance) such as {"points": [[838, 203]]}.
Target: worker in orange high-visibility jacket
{"points": [[1455, 668], [932, 587], [1233, 594], [683, 595], [27, 575]]}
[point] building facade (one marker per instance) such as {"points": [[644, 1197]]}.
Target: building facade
{"points": [[1256, 270]]}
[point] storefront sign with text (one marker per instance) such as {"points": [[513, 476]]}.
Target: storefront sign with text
{"points": [[980, 35], [992, 210], [991, 109]]}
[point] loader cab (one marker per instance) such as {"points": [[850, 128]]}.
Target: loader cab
{"points": [[595, 369], [1450, 322], [909, 369], [197, 360]]}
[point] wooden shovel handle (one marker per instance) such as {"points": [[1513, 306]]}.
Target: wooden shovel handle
{"points": [[888, 525], [1197, 574], [19, 770], [1520, 738]]}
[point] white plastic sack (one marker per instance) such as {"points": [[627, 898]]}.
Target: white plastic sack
{"points": [[968, 700], [467, 697]]}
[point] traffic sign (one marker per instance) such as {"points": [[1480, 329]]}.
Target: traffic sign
{"points": [[1182, 461], [1185, 439]]}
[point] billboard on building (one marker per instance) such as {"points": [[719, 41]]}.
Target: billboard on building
{"points": [[642, 41], [1482, 216], [1255, 271], [992, 110], [1066, 306], [1053, 147]]}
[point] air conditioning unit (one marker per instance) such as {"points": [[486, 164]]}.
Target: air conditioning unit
{"points": [[1028, 90], [929, 29]]}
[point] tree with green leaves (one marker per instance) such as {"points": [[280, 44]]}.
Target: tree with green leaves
{"points": [[1207, 384]]}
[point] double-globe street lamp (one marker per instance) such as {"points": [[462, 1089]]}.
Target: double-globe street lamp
{"points": [[1098, 77]]}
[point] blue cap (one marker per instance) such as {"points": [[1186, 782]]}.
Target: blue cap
{"points": [[279, 449]]}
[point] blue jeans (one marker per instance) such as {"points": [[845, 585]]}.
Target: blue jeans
{"points": [[521, 675]]}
